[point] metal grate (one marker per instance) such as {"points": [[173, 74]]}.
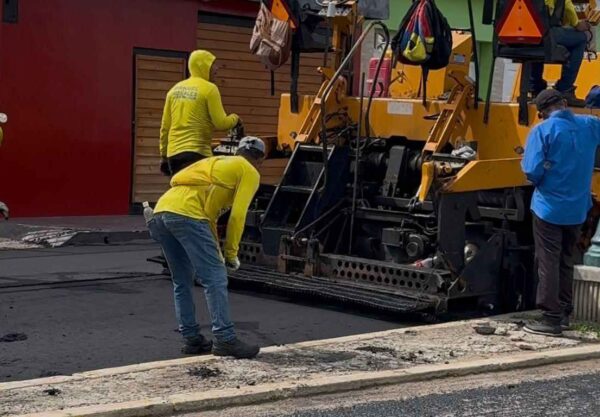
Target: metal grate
{"points": [[250, 253], [586, 294]]}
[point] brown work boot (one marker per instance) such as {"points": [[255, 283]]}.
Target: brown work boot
{"points": [[572, 100]]}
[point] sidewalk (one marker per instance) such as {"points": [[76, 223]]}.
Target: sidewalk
{"points": [[23, 233], [304, 369]]}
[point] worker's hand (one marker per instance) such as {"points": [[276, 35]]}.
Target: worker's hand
{"points": [[164, 167], [240, 125], [232, 264], [237, 132], [583, 26]]}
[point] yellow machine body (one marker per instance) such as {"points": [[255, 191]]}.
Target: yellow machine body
{"points": [[499, 143]]}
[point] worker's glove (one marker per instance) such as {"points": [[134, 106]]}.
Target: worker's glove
{"points": [[238, 131], [164, 167], [232, 264]]}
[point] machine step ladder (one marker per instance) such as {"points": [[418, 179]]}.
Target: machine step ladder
{"points": [[300, 197]]}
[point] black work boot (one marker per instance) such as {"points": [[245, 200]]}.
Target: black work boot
{"points": [[572, 100], [196, 345], [235, 348], [537, 89], [544, 327], [565, 323]]}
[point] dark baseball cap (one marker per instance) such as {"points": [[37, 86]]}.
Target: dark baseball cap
{"points": [[548, 98]]}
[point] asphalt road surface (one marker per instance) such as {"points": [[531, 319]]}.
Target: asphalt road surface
{"points": [[576, 396], [549, 391], [84, 308]]}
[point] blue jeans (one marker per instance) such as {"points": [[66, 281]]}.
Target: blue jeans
{"points": [[189, 245], [575, 42]]}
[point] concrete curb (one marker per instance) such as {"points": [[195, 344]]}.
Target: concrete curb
{"points": [[141, 367], [325, 385]]}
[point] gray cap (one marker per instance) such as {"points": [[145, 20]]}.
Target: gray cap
{"points": [[252, 142], [548, 98]]}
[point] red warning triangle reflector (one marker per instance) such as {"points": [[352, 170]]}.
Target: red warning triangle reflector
{"points": [[520, 24]]}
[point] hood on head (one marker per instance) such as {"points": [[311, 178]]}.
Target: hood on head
{"points": [[200, 63]]}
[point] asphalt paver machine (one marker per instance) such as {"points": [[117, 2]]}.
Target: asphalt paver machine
{"points": [[395, 202]]}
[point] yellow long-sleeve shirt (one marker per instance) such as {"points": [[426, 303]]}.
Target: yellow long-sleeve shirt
{"points": [[570, 18], [207, 189], [193, 110]]}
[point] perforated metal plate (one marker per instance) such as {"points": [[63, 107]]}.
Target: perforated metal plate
{"points": [[385, 274], [250, 253]]}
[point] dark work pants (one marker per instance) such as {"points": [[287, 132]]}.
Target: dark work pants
{"points": [[183, 160], [575, 42], [555, 247]]}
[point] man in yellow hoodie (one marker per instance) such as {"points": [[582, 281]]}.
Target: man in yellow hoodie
{"points": [[571, 35], [193, 110], [185, 225]]}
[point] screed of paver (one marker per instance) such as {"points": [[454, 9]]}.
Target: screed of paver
{"points": [[397, 350]]}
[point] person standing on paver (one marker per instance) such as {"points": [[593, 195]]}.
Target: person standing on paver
{"points": [[185, 225], [559, 161], [572, 34]]}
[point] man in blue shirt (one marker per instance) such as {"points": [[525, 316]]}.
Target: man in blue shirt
{"points": [[559, 161]]}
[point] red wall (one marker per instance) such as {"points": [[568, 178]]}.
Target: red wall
{"points": [[66, 81]]}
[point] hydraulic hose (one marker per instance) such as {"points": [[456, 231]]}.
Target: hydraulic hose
{"points": [[332, 82]]}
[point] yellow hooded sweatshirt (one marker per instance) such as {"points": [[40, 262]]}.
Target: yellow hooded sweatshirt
{"points": [[193, 110], [207, 189]]}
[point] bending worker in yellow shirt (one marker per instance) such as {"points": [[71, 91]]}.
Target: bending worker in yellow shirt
{"points": [[193, 110], [185, 225], [572, 35]]}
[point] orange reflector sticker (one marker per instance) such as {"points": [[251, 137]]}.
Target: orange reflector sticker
{"points": [[520, 24]]}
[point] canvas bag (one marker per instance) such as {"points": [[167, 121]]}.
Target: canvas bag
{"points": [[271, 39], [424, 38]]}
